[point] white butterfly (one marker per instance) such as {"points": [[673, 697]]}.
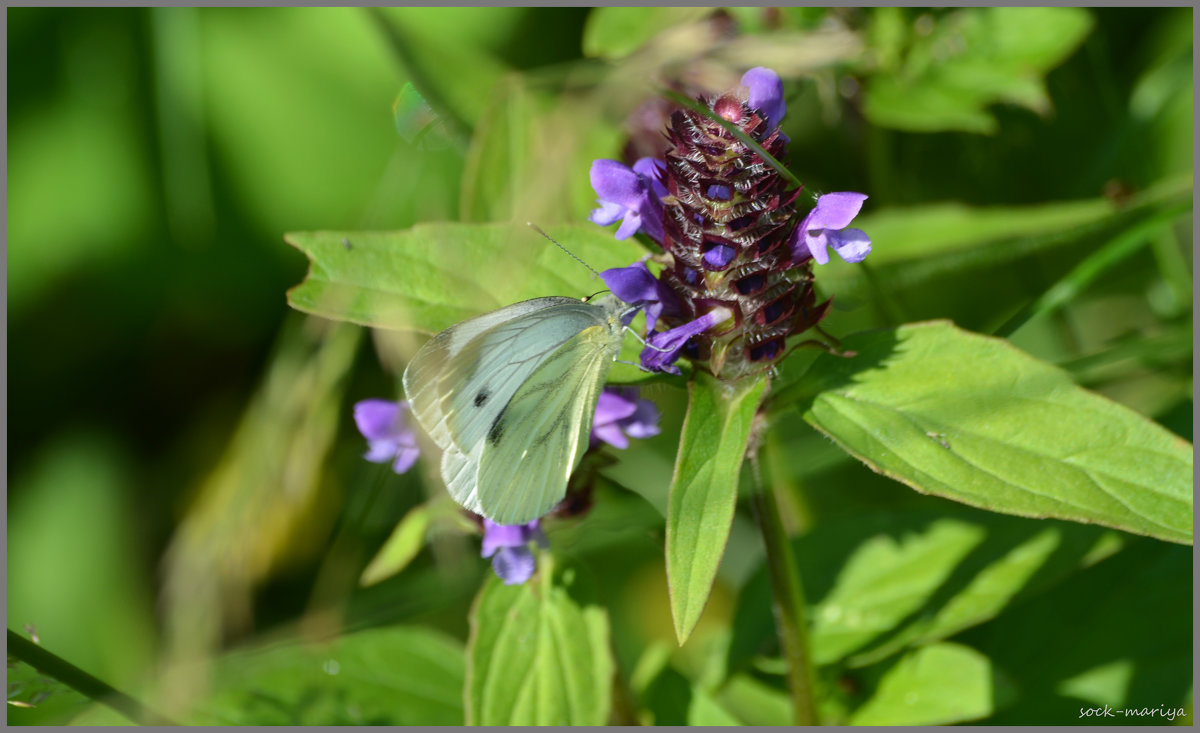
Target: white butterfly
{"points": [[509, 398]]}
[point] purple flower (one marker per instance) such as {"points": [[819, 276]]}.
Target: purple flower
{"points": [[621, 415], [632, 195], [719, 256], [508, 546], [719, 192], [385, 426], [766, 94], [662, 349], [825, 226], [636, 286]]}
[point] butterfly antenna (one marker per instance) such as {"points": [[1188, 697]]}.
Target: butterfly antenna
{"points": [[574, 256]]}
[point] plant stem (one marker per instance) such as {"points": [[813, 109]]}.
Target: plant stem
{"points": [[80, 681], [789, 600]]}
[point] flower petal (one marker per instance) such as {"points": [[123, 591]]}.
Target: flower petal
{"points": [[852, 245], [652, 170], [633, 284], [636, 286], [615, 182], [405, 458], [719, 257], [719, 192], [652, 218], [662, 349], [380, 451], [643, 423], [611, 434], [608, 213], [630, 225], [514, 565], [613, 406], [766, 94], [835, 210], [377, 419], [817, 244], [496, 536]]}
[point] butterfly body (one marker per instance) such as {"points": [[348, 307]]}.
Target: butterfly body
{"points": [[509, 398]]}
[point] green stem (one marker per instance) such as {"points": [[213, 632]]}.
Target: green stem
{"points": [[789, 600], [84, 683], [1104, 259]]}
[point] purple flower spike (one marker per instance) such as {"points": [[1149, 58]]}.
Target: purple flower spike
{"points": [[385, 426], [636, 286], [662, 349], [766, 94], [825, 226], [621, 415], [631, 195], [508, 546]]}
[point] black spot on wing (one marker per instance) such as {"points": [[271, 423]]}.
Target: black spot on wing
{"points": [[482, 397], [496, 432]]}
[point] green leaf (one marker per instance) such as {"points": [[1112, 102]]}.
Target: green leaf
{"points": [[35, 698], [926, 578], [538, 656], [1104, 259], [704, 490], [704, 710], [756, 703], [400, 547], [883, 582], [927, 240], [452, 75], [503, 151], [937, 684], [612, 33], [968, 59], [385, 676], [432, 276], [529, 156], [1119, 633], [975, 420]]}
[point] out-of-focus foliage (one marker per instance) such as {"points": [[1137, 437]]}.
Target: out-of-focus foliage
{"points": [[158, 397]]}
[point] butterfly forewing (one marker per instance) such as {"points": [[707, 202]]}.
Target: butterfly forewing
{"points": [[540, 435], [423, 377]]}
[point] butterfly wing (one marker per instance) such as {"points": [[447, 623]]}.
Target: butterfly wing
{"points": [[464, 377], [538, 438]]}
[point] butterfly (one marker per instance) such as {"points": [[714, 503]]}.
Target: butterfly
{"points": [[509, 397]]}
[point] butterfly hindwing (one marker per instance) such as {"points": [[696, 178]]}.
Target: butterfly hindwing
{"points": [[542, 432]]}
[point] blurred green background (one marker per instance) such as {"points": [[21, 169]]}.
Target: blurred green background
{"points": [[183, 467]]}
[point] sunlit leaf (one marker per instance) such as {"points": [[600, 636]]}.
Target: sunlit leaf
{"points": [[387, 676], [614, 32], [537, 655], [401, 546], [975, 420], [913, 244], [704, 490], [754, 702], [960, 62], [882, 582], [434, 275], [934, 685], [937, 576], [1118, 634]]}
